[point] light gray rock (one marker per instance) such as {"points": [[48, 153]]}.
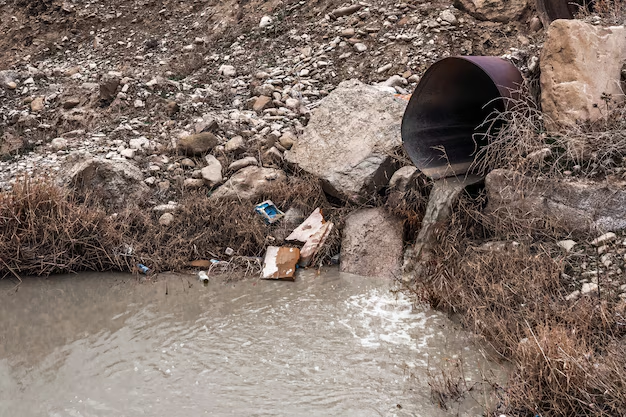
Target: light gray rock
{"points": [[59, 144], [448, 16], [242, 163], [128, 153], [227, 71], [249, 183], [235, 145], [212, 173], [401, 179], [395, 81], [348, 141], [116, 182], [372, 243], [580, 63], [287, 140], [166, 219], [138, 143], [360, 47], [265, 22], [193, 183], [571, 206]]}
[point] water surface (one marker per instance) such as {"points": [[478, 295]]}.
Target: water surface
{"points": [[326, 345]]}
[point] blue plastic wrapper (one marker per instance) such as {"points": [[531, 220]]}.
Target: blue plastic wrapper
{"points": [[268, 211]]}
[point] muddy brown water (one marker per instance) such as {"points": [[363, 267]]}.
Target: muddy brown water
{"points": [[329, 344]]}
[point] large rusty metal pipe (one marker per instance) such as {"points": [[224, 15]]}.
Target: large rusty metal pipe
{"points": [[453, 98]]}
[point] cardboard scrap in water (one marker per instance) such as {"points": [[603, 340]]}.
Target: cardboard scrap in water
{"points": [[280, 263]]}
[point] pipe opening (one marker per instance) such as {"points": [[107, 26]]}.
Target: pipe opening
{"points": [[454, 97]]}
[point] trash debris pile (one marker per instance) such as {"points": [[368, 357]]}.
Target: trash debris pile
{"points": [[282, 262]]}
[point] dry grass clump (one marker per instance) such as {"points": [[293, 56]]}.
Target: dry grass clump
{"points": [[45, 230], [204, 227], [517, 139], [568, 356]]}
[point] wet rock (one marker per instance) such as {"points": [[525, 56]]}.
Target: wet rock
{"points": [[197, 144], [372, 243], [571, 206], [580, 68], [348, 141], [249, 183], [212, 173], [242, 163], [116, 182], [494, 10]]}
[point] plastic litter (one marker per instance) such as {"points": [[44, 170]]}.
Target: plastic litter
{"points": [[203, 277], [143, 269], [229, 251], [269, 212]]}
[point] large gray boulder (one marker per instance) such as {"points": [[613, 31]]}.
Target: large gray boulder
{"points": [[568, 206], [581, 67], [372, 243], [114, 182], [249, 183], [348, 140]]}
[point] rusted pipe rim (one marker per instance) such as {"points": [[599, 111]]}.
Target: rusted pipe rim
{"points": [[453, 98]]}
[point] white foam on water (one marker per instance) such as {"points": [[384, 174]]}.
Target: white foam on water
{"points": [[384, 317]]}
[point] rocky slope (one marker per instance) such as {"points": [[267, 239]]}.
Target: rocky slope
{"points": [[128, 79]]}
